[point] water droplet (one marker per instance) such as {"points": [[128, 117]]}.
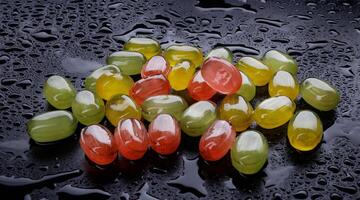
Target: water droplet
{"points": [[70, 191]]}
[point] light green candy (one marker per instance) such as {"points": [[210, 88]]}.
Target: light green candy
{"points": [[247, 89], [221, 52], [59, 92], [278, 60], [129, 62], [90, 81], [88, 108]]}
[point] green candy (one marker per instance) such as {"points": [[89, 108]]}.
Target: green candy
{"points": [[249, 152], [247, 89], [52, 126], [59, 92], [148, 47], [129, 62], [319, 94], [90, 81], [221, 52], [197, 118], [278, 60], [169, 104], [88, 108]]}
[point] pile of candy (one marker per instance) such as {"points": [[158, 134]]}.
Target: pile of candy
{"points": [[183, 68]]}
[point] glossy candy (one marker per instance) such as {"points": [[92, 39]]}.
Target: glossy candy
{"points": [[258, 72], [164, 134], [98, 144], [236, 110], [131, 139], [154, 66], [278, 60], [284, 84], [249, 152], [274, 112], [52, 126], [197, 118], [216, 141], [198, 89], [90, 81], [129, 62], [305, 130], [247, 89], [121, 107], [59, 92], [169, 104], [221, 75], [148, 47], [319, 94], [88, 108], [181, 74], [221, 52], [110, 84], [148, 87], [176, 53]]}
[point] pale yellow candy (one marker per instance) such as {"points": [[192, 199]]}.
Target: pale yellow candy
{"points": [[284, 84], [181, 74]]}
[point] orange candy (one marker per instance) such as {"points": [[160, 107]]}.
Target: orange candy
{"points": [[198, 89], [156, 65]]}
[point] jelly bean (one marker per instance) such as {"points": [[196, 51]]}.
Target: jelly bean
{"points": [[221, 75], [249, 153], [278, 60], [274, 112], [198, 89], [236, 110], [216, 141], [52, 126], [169, 104], [121, 107], [148, 87], [131, 139], [305, 130], [284, 84], [197, 118], [88, 108], [110, 84], [181, 74], [129, 62], [59, 92], [319, 94], [247, 89], [90, 81], [176, 53], [148, 47], [98, 144], [259, 73], [221, 52], [164, 134], [156, 65]]}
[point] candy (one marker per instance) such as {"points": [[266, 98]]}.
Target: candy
{"points": [[236, 110], [221, 75], [169, 104], [148, 87], [181, 74], [278, 60], [148, 47], [259, 73], [59, 92], [110, 84], [121, 107], [88, 108], [274, 112], [176, 53], [249, 152], [284, 84], [197, 118], [319, 94], [129, 62], [216, 141], [131, 139], [247, 89], [164, 134], [98, 144], [156, 65], [198, 89], [52, 126], [90, 81], [221, 52], [305, 130]]}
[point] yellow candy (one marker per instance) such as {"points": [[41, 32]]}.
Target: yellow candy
{"points": [[176, 53], [121, 107], [148, 47], [181, 74], [257, 71], [284, 84], [110, 84]]}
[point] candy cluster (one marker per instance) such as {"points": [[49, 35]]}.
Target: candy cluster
{"points": [[153, 98]]}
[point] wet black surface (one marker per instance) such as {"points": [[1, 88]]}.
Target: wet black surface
{"points": [[38, 39]]}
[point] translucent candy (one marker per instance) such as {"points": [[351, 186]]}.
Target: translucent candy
{"points": [[278, 60], [129, 62], [59, 92], [110, 84], [148, 47], [121, 107], [247, 89], [154, 66], [284, 84], [88, 108], [176, 53], [198, 89], [221, 52], [181, 74], [259, 73], [90, 81]]}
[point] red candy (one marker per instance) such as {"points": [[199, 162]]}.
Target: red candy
{"points": [[198, 89], [98, 144], [221, 75], [164, 134], [217, 140], [156, 65], [148, 87], [131, 139]]}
